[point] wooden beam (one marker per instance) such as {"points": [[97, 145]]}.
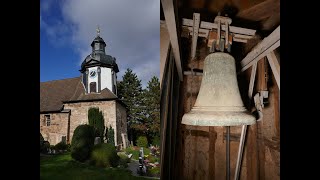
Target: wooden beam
{"points": [[205, 32], [252, 78], [163, 24], [275, 67], [208, 25], [194, 73], [262, 75], [168, 10], [267, 45], [261, 11], [252, 156], [196, 22]]}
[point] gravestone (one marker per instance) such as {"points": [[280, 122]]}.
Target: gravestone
{"points": [[97, 140]]}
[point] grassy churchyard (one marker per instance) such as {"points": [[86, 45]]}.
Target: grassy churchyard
{"points": [[62, 166]]}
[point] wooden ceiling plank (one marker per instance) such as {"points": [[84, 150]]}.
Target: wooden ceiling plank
{"points": [[260, 11]]}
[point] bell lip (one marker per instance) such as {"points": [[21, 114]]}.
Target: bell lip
{"points": [[218, 118]]}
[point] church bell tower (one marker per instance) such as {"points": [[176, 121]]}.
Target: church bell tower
{"points": [[99, 69]]}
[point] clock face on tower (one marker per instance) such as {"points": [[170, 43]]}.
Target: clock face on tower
{"points": [[93, 73]]}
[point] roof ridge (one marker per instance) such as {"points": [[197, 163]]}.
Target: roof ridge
{"points": [[60, 79]]}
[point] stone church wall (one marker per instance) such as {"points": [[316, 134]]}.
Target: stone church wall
{"points": [[122, 125], [57, 129], [79, 114]]}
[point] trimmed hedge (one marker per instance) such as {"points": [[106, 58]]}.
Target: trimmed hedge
{"points": [[44, 145], [124, 160], [61, 146], [104, 155], [142, 141], [82, 142]]}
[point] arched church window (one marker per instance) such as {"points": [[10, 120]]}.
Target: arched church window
{"points": [[93, 87]]}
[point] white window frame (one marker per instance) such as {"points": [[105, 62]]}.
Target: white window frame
{"points": [[47, 120]]}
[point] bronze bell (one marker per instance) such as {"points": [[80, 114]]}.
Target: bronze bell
{"points": [[219, 102]]}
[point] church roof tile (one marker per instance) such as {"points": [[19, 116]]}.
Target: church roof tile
{"points": [[54, 93]]}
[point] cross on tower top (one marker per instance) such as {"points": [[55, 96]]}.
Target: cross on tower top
{"points": [[98, 31]]}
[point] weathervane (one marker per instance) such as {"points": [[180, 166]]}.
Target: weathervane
{"points": [[98, 31]]}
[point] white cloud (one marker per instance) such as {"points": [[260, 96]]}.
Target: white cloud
{"points": [[130, 29]]}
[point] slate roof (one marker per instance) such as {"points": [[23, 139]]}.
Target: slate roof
{"points": [[54, 93]]}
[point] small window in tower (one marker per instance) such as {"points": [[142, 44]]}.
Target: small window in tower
{"points": [[48, 120], [93, 87], [96, 46]]}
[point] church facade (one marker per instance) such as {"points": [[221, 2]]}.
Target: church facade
{"points": [[64, 104]]}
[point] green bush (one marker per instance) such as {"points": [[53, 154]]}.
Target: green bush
{"points": [[156, 141], [96, 120], [44, 147], [104, 155], [69, 147], [82, 142], [61, 146], [124, 157], [153, 159], [154, 171], [123, 160], [41, 139], [110, 135], [142, 141]]}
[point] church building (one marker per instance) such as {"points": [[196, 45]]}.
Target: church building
{"points": [[64, 103]]}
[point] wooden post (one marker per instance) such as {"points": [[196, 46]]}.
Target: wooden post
{"points": [[212, 141], [275, 66], [252, 153], [262, 75]]}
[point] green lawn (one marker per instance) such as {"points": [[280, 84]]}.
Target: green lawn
{"points": [[62, 167], [135, 153]]}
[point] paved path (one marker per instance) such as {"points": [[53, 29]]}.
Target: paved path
{"points": [[132, 166]]}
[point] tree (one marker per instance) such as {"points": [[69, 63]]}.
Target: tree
{"points": [[152, 104], [130, 92], [110, 136], [96, 120]]}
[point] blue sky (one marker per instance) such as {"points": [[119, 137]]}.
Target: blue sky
{"points": [[129, 28]]}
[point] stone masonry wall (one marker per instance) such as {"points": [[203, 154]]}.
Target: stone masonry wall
{"points": [[58, 127], [79, 114], [122, 125]]}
